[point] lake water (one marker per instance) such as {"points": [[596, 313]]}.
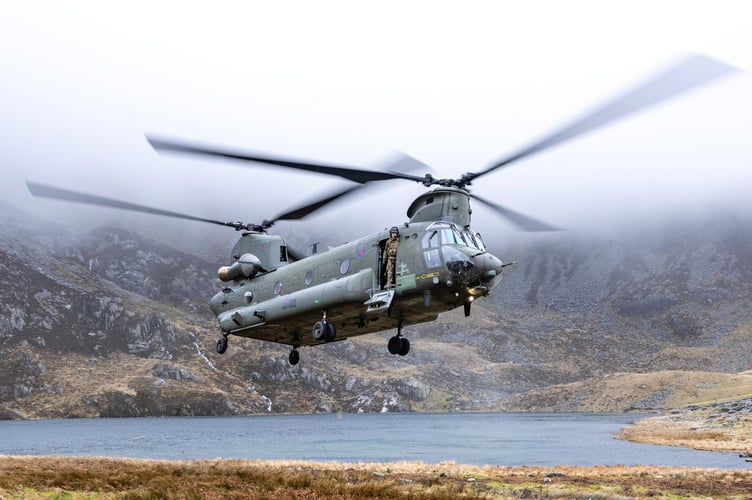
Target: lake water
{"points": [[510, 439]]}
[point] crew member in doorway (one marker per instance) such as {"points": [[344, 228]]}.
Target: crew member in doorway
{"points": [[389, 256]]}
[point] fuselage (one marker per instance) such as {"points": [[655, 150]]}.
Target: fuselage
{"points": [[440, 265]]}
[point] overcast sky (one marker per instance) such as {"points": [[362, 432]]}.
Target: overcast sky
{"points": [[456, 85]]}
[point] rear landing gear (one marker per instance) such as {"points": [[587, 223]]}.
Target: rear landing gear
{"points": [[222, 345], [322, 330], [294, 356]]}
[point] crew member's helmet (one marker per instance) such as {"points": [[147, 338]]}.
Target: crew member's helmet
{"points": [[394, 229]]}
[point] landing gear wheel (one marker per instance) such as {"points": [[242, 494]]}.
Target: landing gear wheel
{"points": [[222, 345], [398, 345], [331, 332], [404, 346], [294, 357], [324, 331], [319, 330], [394, 345]]}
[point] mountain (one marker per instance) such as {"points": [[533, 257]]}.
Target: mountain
{"points": [[108, 322]]}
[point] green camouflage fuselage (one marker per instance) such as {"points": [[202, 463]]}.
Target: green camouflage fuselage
{"points": [[440, 265]]}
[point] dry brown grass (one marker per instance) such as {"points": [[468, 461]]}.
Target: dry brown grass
{"points": [[693, 431], [619, 392], [56, 477]]}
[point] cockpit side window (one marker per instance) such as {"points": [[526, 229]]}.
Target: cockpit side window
{"points": [[430, 243]]}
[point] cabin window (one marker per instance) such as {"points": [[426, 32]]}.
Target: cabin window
{"points": [[344, 266], [277, 288], [309, 278]]}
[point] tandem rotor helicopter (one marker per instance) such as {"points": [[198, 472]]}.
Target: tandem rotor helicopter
{"points": [[432, 263]]}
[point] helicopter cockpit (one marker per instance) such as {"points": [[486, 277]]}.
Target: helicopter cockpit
{"points": [[446, 243], [440, 234]]}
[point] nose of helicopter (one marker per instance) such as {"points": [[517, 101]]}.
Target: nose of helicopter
{"points": [[469, 270], [489, 266]]}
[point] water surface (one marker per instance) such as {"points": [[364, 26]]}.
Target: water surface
{"points": [[510, 439]]}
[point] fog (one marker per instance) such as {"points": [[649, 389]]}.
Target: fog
{"points": [[456, 87]]}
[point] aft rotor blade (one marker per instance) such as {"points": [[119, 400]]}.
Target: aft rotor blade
{"points": [[523, 222], [349, 173], [301, 212], [44, 191], [691, 72], [295, 255]]}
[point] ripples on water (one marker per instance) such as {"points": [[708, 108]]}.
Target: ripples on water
{"points": [[472, 438]]}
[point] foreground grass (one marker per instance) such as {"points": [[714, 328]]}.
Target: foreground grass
{"points": [[57, 477]]}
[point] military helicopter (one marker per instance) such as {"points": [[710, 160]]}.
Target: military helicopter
{"points": [[276, 295]]}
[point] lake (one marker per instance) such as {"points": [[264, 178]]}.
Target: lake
{"points": [[509, 439]]}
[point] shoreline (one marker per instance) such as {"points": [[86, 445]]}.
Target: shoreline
{"points": [[719, 426], [714, 427]]}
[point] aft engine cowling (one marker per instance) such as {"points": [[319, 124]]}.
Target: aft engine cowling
{"points": [[246, 267]]}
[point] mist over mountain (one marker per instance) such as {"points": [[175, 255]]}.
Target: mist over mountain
{"points": [[110, 322]]}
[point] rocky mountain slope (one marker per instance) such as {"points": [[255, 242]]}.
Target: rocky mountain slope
{"points": [[110, 323]]}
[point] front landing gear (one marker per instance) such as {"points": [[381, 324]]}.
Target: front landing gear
{"points": [[398, 344]]}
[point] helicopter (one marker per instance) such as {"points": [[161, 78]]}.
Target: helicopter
{"points": [[275, 294]]}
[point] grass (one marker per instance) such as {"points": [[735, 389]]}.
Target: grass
{"points": [[694, 430], [59, 477], [621, 391]]}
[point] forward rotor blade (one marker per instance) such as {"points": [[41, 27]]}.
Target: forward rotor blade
{"points": [[521, 221], [693, 71], [400, 163], [43, 191], [352, 174]]}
